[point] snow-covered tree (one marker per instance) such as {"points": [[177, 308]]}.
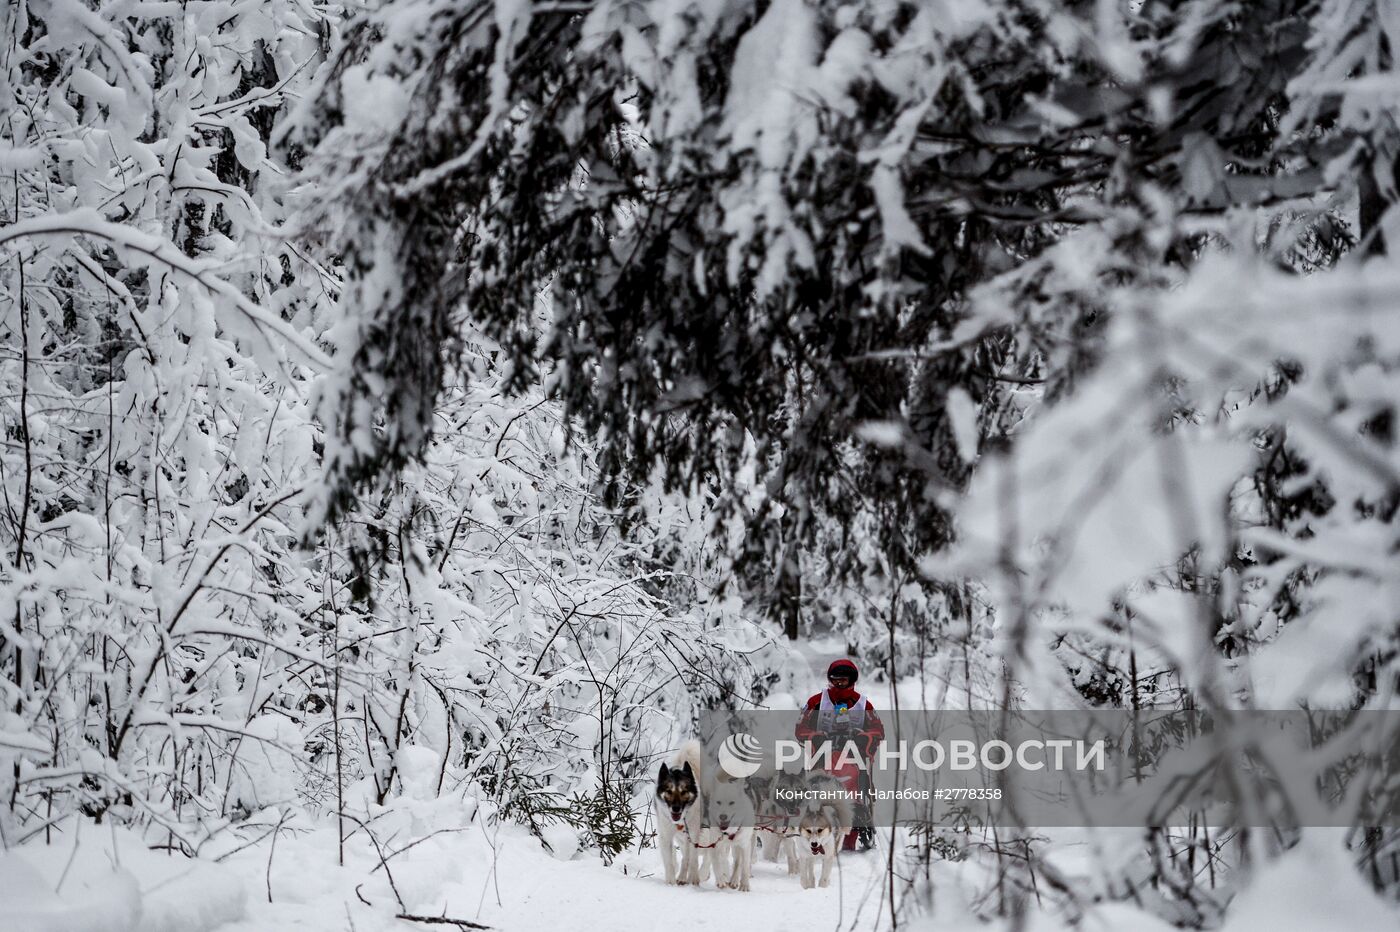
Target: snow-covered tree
{"points": [[180, 647]]}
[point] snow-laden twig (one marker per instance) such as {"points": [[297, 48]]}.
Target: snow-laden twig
{"points": [[88, 222]]}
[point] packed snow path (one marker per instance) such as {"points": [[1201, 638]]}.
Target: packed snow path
{"points": [[517, 886], [497, 876], [582, 894]]}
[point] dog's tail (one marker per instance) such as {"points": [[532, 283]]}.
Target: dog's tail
{"points": [[692, 753]]}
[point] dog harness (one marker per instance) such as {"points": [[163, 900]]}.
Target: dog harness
{"points": [[766, 822], [782, 823], [680, 827], [722, 835], [829, 712]]}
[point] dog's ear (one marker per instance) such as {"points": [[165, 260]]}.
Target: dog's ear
{"points": [[687, 771], [665, 772]]}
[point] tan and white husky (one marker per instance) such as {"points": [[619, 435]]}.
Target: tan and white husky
{"points": [[820, 830]]}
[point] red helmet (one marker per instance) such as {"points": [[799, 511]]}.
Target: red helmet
{"points": [[843, 667]]}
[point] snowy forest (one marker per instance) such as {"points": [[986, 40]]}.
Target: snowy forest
{"points": [[417, 413]]}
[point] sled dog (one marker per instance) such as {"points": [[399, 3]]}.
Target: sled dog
{"points": [[729, 828], [778, 810], [820, 830], [680, 808]]}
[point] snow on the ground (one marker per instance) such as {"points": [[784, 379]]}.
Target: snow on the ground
{"points": [[445, 859], [1311, 886], [500, 876], [106, 879]]}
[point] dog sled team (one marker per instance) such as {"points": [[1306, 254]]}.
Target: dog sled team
{"points": [[710, 825]]}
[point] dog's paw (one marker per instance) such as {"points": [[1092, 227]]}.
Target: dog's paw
{"points": [[825, 882]]}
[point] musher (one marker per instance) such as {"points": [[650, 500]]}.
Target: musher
{"points": [[840, 714]]}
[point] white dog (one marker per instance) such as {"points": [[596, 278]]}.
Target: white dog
{"points": [[679, 809], [729, 829], [820, 831]]}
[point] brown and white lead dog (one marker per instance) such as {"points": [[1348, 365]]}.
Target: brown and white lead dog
{"points": [[680, 807]]}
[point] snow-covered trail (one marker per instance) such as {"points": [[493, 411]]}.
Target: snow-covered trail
{"points": [[443, 863], [583, 894], [501, 877]]}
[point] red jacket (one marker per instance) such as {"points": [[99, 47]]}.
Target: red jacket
{"points": [[872, 730]]}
